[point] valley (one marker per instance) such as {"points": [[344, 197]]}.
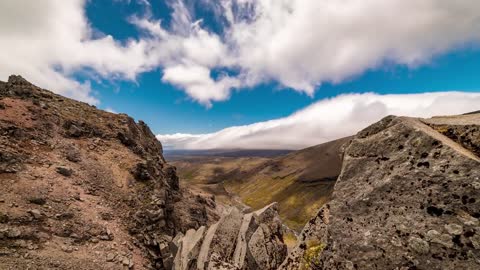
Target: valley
{"points": [[239, 135], [300, 181], [88, 189]]}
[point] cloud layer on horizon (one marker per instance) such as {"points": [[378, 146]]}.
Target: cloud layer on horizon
{"points": [[297, 43], [326, 120]]}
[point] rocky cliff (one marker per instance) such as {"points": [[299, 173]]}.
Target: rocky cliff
{"points": [[408, 197], [236, 241], [85, 189]]}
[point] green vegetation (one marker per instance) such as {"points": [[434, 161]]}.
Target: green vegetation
{"points": [[187, 175], [290, 239], [297, 201], [300, 182], [312, 255]]}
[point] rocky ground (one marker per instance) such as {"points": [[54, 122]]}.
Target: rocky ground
{"points": [[408, 197], [84, 188], [236, 241], [87, 189]]}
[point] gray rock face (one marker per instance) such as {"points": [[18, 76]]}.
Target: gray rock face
{"points": [[236, 241], [405, 199], [189, 248]]}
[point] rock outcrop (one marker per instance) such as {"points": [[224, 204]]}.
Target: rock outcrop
{"points": [[85, 189], [88, 189], [236, 241], [408, 197]]}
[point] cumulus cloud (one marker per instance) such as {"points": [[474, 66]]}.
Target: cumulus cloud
{"points": [[297, 43], [198, 84], [50, 41], [327, 120], [302, 43], [47, 41]]}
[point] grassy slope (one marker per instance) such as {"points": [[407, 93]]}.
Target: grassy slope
{"points": [[207, 175], [300, 182], [298, 201]]}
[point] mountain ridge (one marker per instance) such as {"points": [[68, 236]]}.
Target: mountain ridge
{"points": [[77, 178], [88, 189], [300, 181], [406, 198]]}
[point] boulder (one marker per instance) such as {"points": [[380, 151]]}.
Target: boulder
{"points": [[247, 228], [189, 248], [40, 200], [73, 154], [403, 200], [224, 239], [36, 214], [141, 172], [236, 241], [64, 171], [203, 256]]}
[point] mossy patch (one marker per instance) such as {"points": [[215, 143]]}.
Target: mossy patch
{"points": [[290, 239], [312, 254], [297, 201], [442, 129], [188, 175]]}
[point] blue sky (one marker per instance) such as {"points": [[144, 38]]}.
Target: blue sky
{"points": [[169, 110], [196, 71]]}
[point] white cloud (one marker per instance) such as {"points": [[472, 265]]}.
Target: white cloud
{"points": [[298, 43], [188, 55], [179, 140], [110, 110], [302, 43], [327, 120], [198, 84], [48, 41]]}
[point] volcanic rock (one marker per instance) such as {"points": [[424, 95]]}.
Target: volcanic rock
{"points": [[405, 199], [236, 241], [41, 131], [64, 171]]}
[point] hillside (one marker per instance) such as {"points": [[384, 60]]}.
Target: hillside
{"points": [[84, 188], [173, 155], [88, 189], [407, 198], [300, 181], [207, 175]]}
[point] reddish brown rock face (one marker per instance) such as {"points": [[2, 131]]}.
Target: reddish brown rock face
{"points": [[87, 189], [84, 188]]}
